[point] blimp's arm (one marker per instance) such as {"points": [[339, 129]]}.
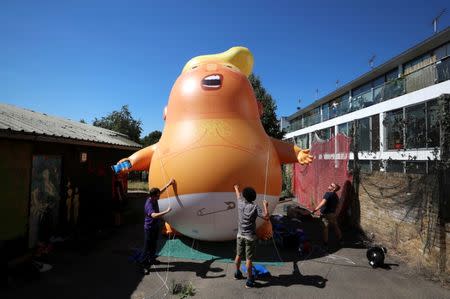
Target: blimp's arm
{"points": [[291, 153], [140, 160]]}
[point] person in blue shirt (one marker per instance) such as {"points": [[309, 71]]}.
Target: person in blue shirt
{"points": [[152, 226], [327, 209]]}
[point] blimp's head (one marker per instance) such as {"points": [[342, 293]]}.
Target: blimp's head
{"points": [[214, 86]]}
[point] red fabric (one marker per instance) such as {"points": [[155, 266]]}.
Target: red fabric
{"points": [[311, 181]]}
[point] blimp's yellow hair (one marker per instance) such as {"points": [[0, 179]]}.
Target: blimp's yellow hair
{"points": [[240, 57]]}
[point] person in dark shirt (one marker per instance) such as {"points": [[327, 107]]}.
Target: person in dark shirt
{"points": [[327, 209], [151, 226], [246, 239]]}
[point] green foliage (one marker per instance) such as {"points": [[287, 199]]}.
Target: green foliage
{"points": [[82, 121], [151, 138], [122, 122], [269, 118]]}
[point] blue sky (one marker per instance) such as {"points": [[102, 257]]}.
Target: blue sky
{"points": [[84, 59]]}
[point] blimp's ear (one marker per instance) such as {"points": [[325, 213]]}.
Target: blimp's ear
{"points": [[165, 113], [260, 108], [240, 57]]}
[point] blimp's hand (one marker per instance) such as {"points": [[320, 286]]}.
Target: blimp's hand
{"points": [[304, 158]]}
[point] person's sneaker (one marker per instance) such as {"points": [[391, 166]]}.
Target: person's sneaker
{"points": [[250, 283], [238, 275]]}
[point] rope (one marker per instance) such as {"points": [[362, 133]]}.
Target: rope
{"points": [[265, 192], [164, 281]]}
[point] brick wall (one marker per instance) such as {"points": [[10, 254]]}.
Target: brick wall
{"points": [[400, 210]]}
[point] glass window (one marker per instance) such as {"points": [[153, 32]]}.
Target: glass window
{"points": [[364, 134], [433, 134], [375, 132], [365, 166], [343, 129], [361, 89], [392, 75], [378, 81], [393, 123], [376, 164], [442, 52], [394, 166], [325, 112], [443, 70], [416, 167], [303, 141], [343, 104], [415, 128], [322, 135]]}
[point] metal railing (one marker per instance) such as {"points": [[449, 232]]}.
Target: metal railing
{"points": [[421, 78]]}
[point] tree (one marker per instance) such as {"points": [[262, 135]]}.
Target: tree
{"points": [[122, 122], [269, 118], [151, 138]]}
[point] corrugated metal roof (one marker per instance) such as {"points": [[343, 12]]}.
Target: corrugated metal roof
{"points": [[19, 120]]}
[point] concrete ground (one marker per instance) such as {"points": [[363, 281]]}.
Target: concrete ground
{"points": [[103, 270]]}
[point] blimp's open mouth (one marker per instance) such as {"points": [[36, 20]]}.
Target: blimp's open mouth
{"points": [[212, 82]]}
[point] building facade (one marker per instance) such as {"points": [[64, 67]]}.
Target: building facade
{"points": [[397, 116], [55, 177], [395, 106]]}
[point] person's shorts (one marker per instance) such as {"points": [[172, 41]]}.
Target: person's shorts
{"points": [[328, 219], [245, 246]]}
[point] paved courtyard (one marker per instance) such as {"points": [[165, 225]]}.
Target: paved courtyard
{"points": [[103, 270]]}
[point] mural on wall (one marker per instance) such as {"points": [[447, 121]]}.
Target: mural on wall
{"points": [[45, 197]]}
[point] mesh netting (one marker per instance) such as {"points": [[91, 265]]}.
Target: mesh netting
{"points": [[330, 165]]}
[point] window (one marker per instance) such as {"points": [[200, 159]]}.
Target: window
{"points": [[392, 75], [393, 123], [376, 165], [416, 167], [343, 129], [375, 132], [415, 126], [443, 70], [303, 141], [394, 166], [433, 134], [365, 166], [364, 134], [323, 135], [340, 106], [442, 51], [325, 112]]}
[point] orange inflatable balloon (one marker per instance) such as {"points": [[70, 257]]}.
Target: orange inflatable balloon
{"points": [[213, 139]]}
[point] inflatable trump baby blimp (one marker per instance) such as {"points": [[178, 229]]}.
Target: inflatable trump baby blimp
{"points": [[213, 139]]}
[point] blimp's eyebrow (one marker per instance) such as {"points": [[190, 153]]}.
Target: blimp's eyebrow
{"points": [[194, 67]]}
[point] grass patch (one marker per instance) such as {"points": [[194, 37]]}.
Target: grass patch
{"points": [[182, 289]]}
